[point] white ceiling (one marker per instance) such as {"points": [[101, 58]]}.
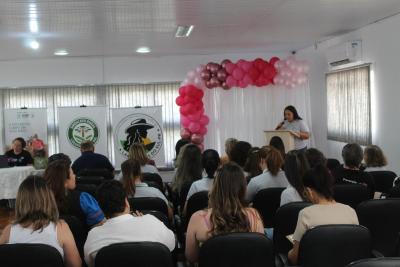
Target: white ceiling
{"points": [[118, 27]]}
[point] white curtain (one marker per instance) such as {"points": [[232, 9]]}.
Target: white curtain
{"points": [[246, 113]]}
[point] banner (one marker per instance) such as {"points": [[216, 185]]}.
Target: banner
{"points": [[79, 124], [30, 124], [138, 125]]}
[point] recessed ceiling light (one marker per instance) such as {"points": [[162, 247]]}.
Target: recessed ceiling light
{"points": [[184, 31], [143, 50], [61, 52], [34, 45]]}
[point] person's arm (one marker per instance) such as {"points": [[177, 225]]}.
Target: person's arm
{"points": [[66, 240], [90, 207], [301, 228], [293, 254], [192, 244], [5, 235], [257, 224]]}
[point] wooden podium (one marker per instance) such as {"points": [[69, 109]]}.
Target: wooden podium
{"points": [[286, 136]]}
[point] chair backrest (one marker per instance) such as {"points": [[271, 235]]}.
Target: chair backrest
{"points": [[197, 201], [334, 245], [383, 180], [134, 254], [96, 180], [160, 216], [285, 224], [267, 202], [394, 192], [32, 255], [382, 218], [332, 164], [351, 194], [108, 175], [380, 262], [237, 250], [148, 203], [155, 178], [78, 230]]}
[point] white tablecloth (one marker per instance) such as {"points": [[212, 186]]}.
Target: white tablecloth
{"points": [[11, 178]]}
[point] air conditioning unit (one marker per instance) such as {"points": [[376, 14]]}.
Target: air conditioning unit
{"points": [[344, 54]]}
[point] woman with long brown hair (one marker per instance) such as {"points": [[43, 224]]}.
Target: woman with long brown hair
{"points": [[36, 221], [227, 212]]}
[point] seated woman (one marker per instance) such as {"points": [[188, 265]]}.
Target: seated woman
{"points": [[272, 176], [252, 165], [36, 221], [229, 144], [277, 142], [318, 184], [374, 159], [227, 213], [315, 157], [18, 156], [137, 152], [135, 188], [296, 165], [61, 180]]}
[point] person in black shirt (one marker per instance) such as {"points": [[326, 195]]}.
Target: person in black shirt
{"points": [[17, 156], [90, 160], [350, 172]]}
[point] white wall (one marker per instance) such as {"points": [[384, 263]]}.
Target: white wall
{"points": [[381, 44]]}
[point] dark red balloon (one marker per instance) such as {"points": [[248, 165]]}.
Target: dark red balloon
{"points": [[209, 85], [215, 82], [225, 86], [208, 66], [214, 68], [221, 75], [205, 75], [224, 62]]}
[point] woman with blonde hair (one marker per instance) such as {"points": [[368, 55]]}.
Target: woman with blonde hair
{"points": [[374, 159], [137, 152], [227, 212], [37, 221]]}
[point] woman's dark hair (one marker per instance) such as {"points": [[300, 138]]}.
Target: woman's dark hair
{"points": [[210, 161], [111, 197], [239, 153], [189, 167], [294, 111], [296, 165], [320, 180], [315, 157], [352, 155], [179, 145], [252, 166], [374, 156], [59, 156], [55, 175], [277, 142], [130, 171], [21, 140]]}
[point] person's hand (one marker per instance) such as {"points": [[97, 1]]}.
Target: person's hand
{"points": [[295, 134], [137, 213], [279, 125]]}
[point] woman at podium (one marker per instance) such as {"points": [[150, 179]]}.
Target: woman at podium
{"points": [[297, 127]]}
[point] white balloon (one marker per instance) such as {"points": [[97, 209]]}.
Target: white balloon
{"points": [[191, 74]]}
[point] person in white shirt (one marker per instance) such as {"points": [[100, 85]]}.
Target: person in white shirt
{"points": [[374, 159], [121, 226], [272, 176]]}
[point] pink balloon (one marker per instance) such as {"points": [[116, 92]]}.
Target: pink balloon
{"points": [[247, 65], [185, 121], [198, 82], [197, 139], [238, 74], [230, 67], [231, 82], [179, 101], [185, 134], [247, 80], [203, 130], [182, 90], [242, 84], [199, 68], [253, 73], [204, 120], [240, 63], [225, 62], [273, 60], [191, 74], [269, 72], [194, 117], [194, 127]]}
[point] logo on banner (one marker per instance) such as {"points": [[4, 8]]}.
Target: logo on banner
{"points": [[139, 128], [81, 130]]}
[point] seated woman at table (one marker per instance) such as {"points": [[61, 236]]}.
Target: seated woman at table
{"points": [[17, 155], [61, 180], [37, 221]]}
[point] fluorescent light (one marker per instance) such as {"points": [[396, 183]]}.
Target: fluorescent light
{"points": [[143, 50], [33, 26], [183, 31], [61, 52], [34, 45]]}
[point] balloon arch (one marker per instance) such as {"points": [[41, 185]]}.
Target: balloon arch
{"points": [[288, 73]]}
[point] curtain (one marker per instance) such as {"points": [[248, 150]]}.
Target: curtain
{"points": [[348, 98]]}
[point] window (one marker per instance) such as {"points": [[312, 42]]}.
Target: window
{"points": [[113, 96], [348, 98]]}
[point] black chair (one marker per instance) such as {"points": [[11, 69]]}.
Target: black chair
{"points": [[32, 255], [383, 180], [351, 194], [394, 192], [154, 179], [148, 203], [196, 202], [237, 250], [334, 245], [78, 230], [285, 224], [160, 216], [88, 188], [95, 180], [146, 254], [106, 174], [380, 262], [267, 202], [382, 218], [332, 164]]}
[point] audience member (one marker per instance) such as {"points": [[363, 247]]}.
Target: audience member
{"points": [[350, 172], [315, 157], [272, 174], [121, 226], [252, 166], [228, 211], [59, 156], [181, 142], [17, 155], [89, 160], [277, 142], [296, 165], [61, 180], [229, 144], [318, 184], [36, 221], [374, 159], [137, 152], [239, 153]]}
